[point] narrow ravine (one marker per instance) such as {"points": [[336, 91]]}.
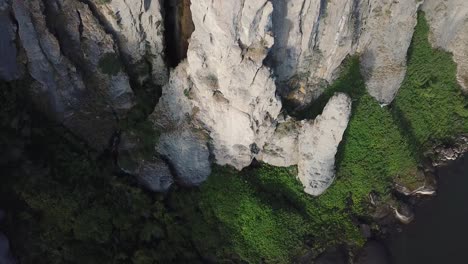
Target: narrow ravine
{"points": [[179, 27]]}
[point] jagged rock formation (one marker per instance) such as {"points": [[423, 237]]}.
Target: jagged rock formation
{"points": [[221, 105], [77, 80], [313, 37], [448, 20], [139, 29], [312, 145], [8, 66], [227, 92], [182, 142], [318, 145]]}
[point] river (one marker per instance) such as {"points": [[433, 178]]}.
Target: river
{"points": [[439, 234]]}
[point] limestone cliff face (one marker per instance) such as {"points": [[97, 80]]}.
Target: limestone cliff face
{"points": [[74, 66], [224, 93], [86, 61], [139, 29], [313, 37]]}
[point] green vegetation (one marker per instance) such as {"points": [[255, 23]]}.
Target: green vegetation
{"points": [[69, 206], [430, 105]]}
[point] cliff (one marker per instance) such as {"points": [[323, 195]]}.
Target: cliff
{"points": [[87, 62]]}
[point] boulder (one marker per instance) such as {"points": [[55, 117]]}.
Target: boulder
{"points": [[155, 175], [318, 144]]}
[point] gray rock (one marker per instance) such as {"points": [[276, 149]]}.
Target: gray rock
{"points": [[8, 66], [318, 144], [448, 20], [139, 29], [155, 175], [282, 148], [5, 254], [188, 154], [78, 81], [312, 38]]}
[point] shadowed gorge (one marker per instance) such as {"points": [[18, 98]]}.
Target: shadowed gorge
{"points": [[178, 29]]}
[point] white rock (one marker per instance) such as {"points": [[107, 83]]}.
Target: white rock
{"points": [[313, 37], [140, 29], [384, 44], [318, 144], [282, 148], [232, 90], [448, 20], [227, 92], [312, 145], [183, 144]]}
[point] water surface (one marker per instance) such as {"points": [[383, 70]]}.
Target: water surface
{"points": [[439, 234]]}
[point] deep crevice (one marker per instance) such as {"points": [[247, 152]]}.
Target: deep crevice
{"points": [[179, 27]]}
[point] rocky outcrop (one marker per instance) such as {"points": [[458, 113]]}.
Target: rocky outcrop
{"points": [[155, 175], [448, 20], [78, 79], [136, 156], [5, 254], [312, 145], [386, 35], [318, 145], [444, 154], [139, 28], [182, 143], [282, 148], [224, 96], [8, 66], [223, 88], [313, 37]]}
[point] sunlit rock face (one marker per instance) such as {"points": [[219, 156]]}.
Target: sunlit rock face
{"points": [[227, 92], [318, 144], [78, 79], [448, 21], [387, 30], [139, 28], [313, 37], [224, 97], [183, 143], [312, 144]]}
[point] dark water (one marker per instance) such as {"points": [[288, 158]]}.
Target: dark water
{"points": [[439, 234]]}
